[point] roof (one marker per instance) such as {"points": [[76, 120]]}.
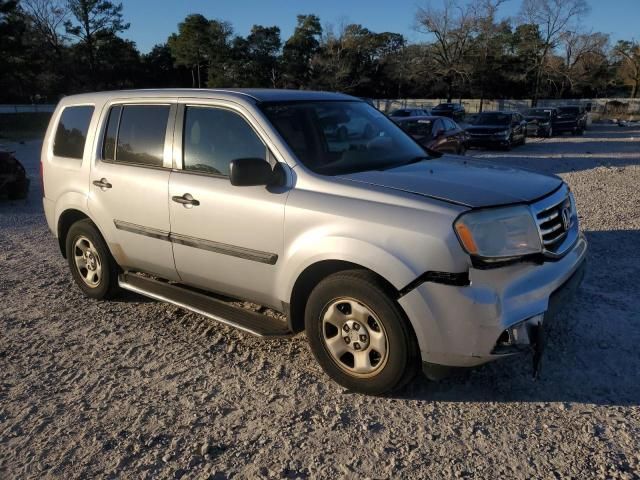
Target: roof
{"points": [[254, 94]]}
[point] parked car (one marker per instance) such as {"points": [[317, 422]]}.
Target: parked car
{"points": [[408, 112], [455, 111], [498, 129], [14, 183], [571, 118], [439, 134], [385, 256], [541, 121]]}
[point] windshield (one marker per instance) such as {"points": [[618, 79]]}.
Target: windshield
{"points": [[417, 128], [538, 112], [335, 137], [493, 119]]}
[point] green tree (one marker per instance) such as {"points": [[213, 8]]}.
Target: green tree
{"points": [[190, 46], [90, 20], [299, 50]]}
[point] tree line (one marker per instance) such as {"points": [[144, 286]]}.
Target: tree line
{"points": [[51, 48]]}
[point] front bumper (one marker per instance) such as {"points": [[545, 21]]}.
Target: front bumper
{"points": [[488, 141], [460, 326]]}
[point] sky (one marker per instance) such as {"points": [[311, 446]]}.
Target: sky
{"points": [[152, 21]]}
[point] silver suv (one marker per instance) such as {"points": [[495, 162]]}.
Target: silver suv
{"points": [[388, 258]]}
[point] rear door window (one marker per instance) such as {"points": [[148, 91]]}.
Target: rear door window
{"points": [[71, 134], [140, 136]]}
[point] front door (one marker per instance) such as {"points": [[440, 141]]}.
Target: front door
{"points": [[225, 238], [130, 186]]}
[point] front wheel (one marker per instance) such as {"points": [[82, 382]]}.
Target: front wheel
{"points": [[359, 335]]}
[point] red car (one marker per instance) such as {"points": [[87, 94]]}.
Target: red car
{"points": [[435, 133]]}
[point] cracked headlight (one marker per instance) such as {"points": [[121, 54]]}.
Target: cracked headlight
{"points": [[499, 233]]}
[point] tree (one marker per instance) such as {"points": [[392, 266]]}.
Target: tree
{"points": [[299, 49], [48, 17], [190, 47], [553, 19], [92, 19], [627, 53], [452, 27], [263, 47]]}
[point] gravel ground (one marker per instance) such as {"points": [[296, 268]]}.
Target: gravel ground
{"points": [[138, 389]]}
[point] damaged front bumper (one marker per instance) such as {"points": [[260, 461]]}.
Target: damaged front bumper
{"points": [[502, 312]]}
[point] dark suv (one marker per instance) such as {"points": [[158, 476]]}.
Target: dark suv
{"points": [[541, 122], [498, 129], [572, 119], [451, 110]]}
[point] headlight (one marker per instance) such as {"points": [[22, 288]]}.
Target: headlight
{"points": [[503, 133], [498, 234], [544, 124]]}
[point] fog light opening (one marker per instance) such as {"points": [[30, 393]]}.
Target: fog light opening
{"points": [[517, 338]]}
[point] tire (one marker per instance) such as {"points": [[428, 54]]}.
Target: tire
{"points": [[381, 354], [92, 266]]}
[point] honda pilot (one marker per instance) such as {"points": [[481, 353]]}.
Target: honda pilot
{"points": [[387, 258]]}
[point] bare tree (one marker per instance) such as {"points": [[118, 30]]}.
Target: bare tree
{"points": [[581, 53], [553, 18], [48, 17], [452, 28], [628, 55]]}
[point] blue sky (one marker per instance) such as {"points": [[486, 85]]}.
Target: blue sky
{"points": [[152, 21]]}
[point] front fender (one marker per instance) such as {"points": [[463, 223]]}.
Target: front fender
{"points": [[304, 254]]}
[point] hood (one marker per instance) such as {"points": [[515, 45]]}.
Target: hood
{"points": [[461, 181]]}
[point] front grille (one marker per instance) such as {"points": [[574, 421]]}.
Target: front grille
{"points": [[553, 228]]}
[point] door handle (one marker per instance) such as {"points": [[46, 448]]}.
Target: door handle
{"points": [[102, 183], [187, 200]]}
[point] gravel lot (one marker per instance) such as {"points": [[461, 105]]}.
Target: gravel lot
{"points": [[137, 389]]}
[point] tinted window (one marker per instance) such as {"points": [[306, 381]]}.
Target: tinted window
{"points": [[450, 124], [141, 134], [418, 128], [109, 144], [71, 134], [213, 137], [400, 113], [493, 119]]}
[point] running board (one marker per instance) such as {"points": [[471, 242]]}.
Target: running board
{"points": [[245, 320]]}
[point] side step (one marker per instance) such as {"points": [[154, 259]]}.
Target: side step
{"points": [[246, 320]]}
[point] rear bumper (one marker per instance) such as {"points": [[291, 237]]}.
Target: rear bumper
{"points": [[460, 326]]}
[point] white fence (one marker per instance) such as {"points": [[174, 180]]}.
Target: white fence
{"points": [[33, 108]]}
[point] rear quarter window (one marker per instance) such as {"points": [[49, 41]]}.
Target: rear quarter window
{"points": [[71, 134]]}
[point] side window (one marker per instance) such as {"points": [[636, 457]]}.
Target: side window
{"points": [[213, 137], [111, 133], [140, 136], [71, 134], [450, 125]]}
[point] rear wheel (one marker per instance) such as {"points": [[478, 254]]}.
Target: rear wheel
{"points": [[359, 335], [92, 266]]}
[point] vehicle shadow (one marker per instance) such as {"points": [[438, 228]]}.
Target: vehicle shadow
{"points": [[601, 146], [591, 354]]}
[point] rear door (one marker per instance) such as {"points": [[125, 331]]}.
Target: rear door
{"points": [[230, 240], [130, 184]]}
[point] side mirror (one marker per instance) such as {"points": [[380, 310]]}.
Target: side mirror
{"points": [[250, 172]]}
